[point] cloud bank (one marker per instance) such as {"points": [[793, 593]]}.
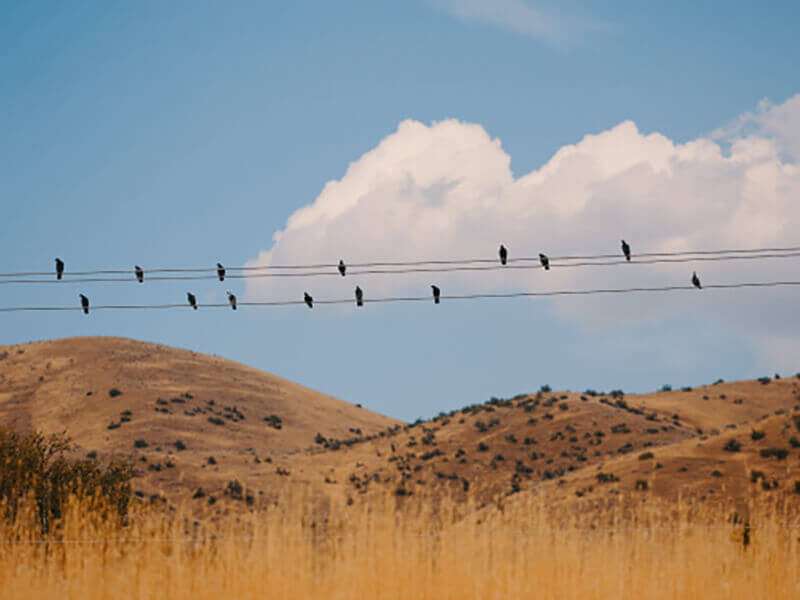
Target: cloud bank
{"points": [[446, 190]]}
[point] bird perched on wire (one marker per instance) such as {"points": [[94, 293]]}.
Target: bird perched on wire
{"points": [[220, 272], [309, 300], [436, 293], [59, 268], [696, 281], [359, 297], [84, 304], [545, 261], [626, 250], [139, 273], [232, 300], [342, 267], [503, 254], [192, 300]]}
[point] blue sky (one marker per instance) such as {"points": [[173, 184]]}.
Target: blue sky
{"points": [[180, 134]]}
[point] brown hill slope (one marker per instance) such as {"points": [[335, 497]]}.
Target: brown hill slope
{"points": [[191, 421], [145, 402], [577, 446]]}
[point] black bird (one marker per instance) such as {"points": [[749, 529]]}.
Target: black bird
{"points": [[436, 293], [84, 304], [232, 300], [192, 300], [696, 281], [545, 261], [59, 268], [342, 267], [309, 300], [626, 250], [220, 272], [503, 254], [359, 297], [139, 273]]}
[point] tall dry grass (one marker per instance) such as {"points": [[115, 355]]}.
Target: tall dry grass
{"points": [[379, 550]]}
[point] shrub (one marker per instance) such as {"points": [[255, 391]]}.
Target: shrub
{"points": [[764, 380], [274, 421], [140, 444], [482, 447], [666, 388], [179, 445], [545, 389], [36, 467], [646, 456], [757, 435], [606, 477], [779, 453], [716, 473], [114, 392], [216, 421], [732, 446]]}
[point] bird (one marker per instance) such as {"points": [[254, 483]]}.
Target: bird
{"points": [[436, 293], [342, 267], [309, 300], [503, 254], [545, 261], [84, 304], [626, 250], [696, 281], [359, 297], [232, 300], [139, 273], [59, 268], [192, 300], [220, 272]]}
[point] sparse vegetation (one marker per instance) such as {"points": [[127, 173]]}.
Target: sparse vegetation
{"points": [[114, 392]]}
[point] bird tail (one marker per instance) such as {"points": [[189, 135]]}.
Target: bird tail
{"points": [[503, 261], [547, 267], [436, 300], [86, 310], [359, 303], [194, 306], [58, 275]]}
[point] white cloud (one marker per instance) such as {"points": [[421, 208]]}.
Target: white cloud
{"points": [[446, 190], [553, 27]]}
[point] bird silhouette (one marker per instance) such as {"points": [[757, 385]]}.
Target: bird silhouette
{"points": [[696, 281], [626, 250], [232, 300], [59, 268], [342, 267], [309, 300], [139, 273], [436, 293], [192, 300], [545, 261], [220, 272], [359, 297], [503, 254], [84, 304]]}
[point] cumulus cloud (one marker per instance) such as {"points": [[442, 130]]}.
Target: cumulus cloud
{"points": [[446, 190], [518, 16]]}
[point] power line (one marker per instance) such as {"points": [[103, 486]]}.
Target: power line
{"points": [[395, 271], [486, 296], [523, 259]]}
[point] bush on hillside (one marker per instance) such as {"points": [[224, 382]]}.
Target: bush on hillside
{"points": [[37, 468]]}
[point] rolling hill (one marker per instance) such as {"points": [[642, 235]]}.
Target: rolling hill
{"points": [[216, 434]]}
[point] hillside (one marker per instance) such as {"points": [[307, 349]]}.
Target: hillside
{"points": [[169, 410], [192, 422]]}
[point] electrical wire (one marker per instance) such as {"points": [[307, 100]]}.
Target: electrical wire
{"points": [[484, 296], [394, 271], [412, 263]]}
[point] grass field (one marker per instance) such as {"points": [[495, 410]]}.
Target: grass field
{"points": [[382, 551]]}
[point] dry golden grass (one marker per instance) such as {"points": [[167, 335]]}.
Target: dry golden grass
{"points": [[380, 550]]}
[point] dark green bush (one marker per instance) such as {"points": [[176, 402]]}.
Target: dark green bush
{"points": [[35, 467]]}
